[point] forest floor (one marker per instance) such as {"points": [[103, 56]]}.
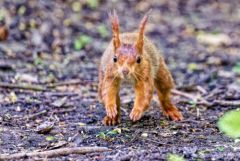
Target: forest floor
{"points": [[53, 51]]}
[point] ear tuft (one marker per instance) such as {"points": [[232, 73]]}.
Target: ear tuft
{"points": [[115, 29], [139, 44]]}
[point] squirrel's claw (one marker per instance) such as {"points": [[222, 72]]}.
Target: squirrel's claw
{"points": [[111, 111], [135, 115], [174, 114], [111, 121]]}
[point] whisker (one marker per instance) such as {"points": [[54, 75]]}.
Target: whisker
{"points": [[139, 75], [137, 79]]}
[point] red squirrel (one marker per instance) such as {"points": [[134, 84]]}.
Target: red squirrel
{"points": [[132, 57]]}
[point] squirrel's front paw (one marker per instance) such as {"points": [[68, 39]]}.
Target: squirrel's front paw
{"points": [[111, 121], [136, 114], [111, 111]]}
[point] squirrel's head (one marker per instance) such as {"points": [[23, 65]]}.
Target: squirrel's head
{"points": [[127, 57]]}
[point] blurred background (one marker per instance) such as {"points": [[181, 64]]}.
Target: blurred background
{"points": [[54, 46], [194, 36]]}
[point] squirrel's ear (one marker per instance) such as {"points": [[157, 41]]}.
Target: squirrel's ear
{"points": [[115, 29], [139, 43]]}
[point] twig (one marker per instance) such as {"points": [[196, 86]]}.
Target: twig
{"points": [[190, 120], [61, 94], [215, 103], [54, 153], [23, 86], [190, 88], [157, 142], [85, 127], [226, 103], [43, 88], [202, 101], [201, 89], [69, 82], [183, 94], [36, 114], [213, 93], [65, 110], [91, 127]]}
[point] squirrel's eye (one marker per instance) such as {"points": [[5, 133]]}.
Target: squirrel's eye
{"points": [[138, 60], [114, 59]]}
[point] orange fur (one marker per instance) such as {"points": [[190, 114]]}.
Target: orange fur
{"points": [[132, 57], [139, 44], [3, 33], [115, 28]]}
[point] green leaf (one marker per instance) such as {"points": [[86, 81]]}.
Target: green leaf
{"points": [[193, 103], [50, 138], [102, 30], [192, 66], [101, 135], [81, 42], [174, 157], [229, 124], [236, 68], [220, 148], [37, 60], [199, 159], [76, 6], [125, 129], [2, 15], [93, 3], [114, 131], [22, 10], [215, 32]]}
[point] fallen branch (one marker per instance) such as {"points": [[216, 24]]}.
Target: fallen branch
{"points": [[203, 101], [214, 103], [159, 143], [54, 153], [69, 82], [183, 94], [60, 94], [65, 110], [43, 88], [226, 103], [23, 86], [33, 116], [192, 88]]}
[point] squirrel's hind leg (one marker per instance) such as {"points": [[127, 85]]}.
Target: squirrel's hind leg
{"points": [[164, 83], [169, 109]]}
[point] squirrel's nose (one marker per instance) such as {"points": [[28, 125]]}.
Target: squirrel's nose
{"points": [[125, 71]]}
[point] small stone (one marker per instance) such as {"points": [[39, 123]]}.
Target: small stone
{"points": [[37, 38], [18, 109], [45, 127], [144, 135]]}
